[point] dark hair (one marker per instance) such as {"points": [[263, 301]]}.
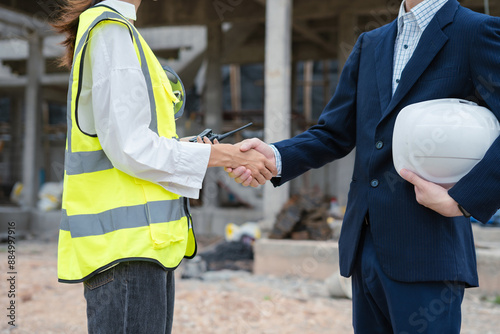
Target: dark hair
{"points": [[67, 23]]}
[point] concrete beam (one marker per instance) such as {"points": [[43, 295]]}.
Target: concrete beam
{"points": [[13, 82], [277, 106], [8, 31], [27, 24], [57, 79], [189, 72]]}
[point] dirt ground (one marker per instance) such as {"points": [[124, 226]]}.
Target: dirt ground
{"points": [[224, 302]]}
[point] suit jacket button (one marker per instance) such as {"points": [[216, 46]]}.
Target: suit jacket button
{"points": [[374, 183], [379, 145]]}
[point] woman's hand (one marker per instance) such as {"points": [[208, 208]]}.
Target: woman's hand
{"points": [[205, 140]]}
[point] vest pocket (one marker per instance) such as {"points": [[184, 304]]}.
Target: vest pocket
{"points": [[165, 218], [165, 234]]}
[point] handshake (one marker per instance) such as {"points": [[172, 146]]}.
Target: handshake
{"points": [[250, 162]]}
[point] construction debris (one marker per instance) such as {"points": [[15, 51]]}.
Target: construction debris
{"points": [[303, 217], [234, 255]]}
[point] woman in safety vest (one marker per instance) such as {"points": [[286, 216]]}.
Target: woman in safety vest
{"points": [[126, 224]]}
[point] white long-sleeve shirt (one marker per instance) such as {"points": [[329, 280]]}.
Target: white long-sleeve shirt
{"points": [[114, 105]]}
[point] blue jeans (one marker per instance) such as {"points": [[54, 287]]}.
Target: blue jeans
{"points": [[382, 305], [132, 297]]}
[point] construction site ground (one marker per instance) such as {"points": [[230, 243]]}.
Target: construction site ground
{"points": [[229, 302]]}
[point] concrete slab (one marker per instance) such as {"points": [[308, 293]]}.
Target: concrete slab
{"points": [[319, 260], [213, 221], [486, 234], [488, 267], [45, 225], [15, 214], [296, 258], [35, 223]]}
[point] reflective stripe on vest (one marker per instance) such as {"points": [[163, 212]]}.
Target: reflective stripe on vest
{"points": [[110, 216], [120, 218]]}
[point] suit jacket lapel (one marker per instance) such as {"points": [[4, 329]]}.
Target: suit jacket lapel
{"points": [[432, 40], [384, 59]]}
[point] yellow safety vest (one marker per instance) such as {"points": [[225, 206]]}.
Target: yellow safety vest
{"points": [[109, 216]]}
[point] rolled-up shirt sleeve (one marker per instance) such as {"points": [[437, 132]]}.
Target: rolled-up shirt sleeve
{"points": [[122, 116]]}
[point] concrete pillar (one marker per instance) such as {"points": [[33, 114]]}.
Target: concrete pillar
{"points": [[213, 107], [16, 138], [213, 90], [277, 107], [31, 120]]}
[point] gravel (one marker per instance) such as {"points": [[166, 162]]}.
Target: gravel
{"points": [[219, 302]]}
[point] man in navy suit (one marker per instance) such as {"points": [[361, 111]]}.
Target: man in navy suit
{"points": [[408, 245]]}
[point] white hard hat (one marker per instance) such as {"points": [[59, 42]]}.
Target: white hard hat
{"points": [[442, 140]]}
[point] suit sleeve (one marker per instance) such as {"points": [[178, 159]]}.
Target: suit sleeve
{"points": [[479, 191], [335, 134]]}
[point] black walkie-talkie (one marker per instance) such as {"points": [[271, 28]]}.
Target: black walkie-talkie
{"points": [[212, 136]]}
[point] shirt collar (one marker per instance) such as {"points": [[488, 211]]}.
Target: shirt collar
{"points": [[124, 8], [423, 13]]}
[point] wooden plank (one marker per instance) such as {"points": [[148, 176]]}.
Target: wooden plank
{"points": [[235, 81]]}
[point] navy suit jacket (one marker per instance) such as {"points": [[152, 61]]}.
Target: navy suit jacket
{"points": [[458, 56]]}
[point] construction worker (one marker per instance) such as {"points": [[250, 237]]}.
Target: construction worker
{"points": [[126, 224]]}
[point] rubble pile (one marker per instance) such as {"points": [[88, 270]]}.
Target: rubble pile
{"points": [[303, 217]]}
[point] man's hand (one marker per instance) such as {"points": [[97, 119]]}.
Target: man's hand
{"points": [[253, 162], [432, 196], [242, 174]]}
